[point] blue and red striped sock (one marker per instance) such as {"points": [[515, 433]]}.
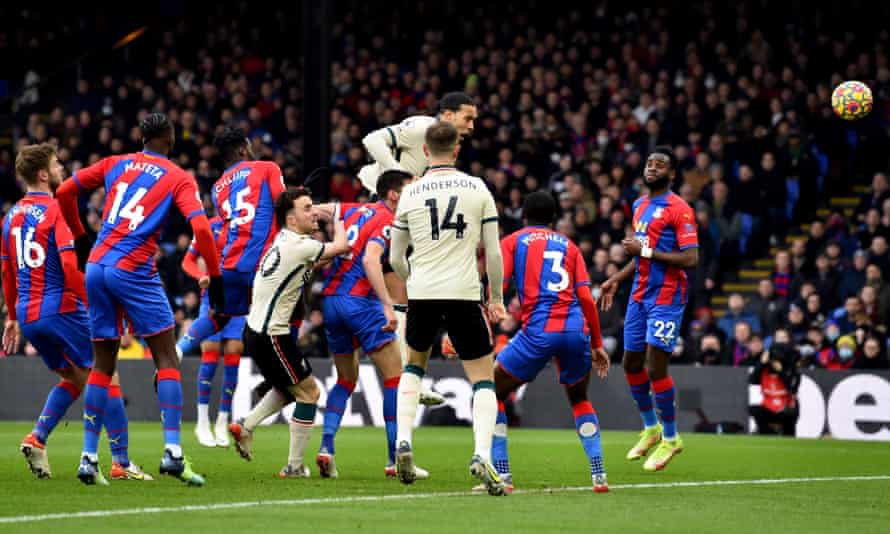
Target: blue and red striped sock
{"points": [[588, 426], [665, 397], [640, 390], [209, 361], [333, 412], [230, 381], [499, 442], [116, 425], [58, 401], [390, 398], [95, 402], [170, 403]]}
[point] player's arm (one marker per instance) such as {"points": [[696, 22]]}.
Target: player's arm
{"points": [[339, 245], [83, 181], [684, 258], [373, 264], [380, 144], [508, 246], [610, 286], [187, 200], [68, 257], [192, 264], [11, 331], [494, 262]]}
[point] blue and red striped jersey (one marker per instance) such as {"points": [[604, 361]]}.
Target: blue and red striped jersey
{"points": [[34, 236], [140, 190], [216, 226], [547, 267], [664, 223], [245, 198], [364, 223]]}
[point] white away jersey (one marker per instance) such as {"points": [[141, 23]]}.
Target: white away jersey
{"points": [[278, 283], [406, 138], [444, 212]]}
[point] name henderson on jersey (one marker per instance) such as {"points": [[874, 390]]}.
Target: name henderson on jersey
{"points": [[441, 184]]}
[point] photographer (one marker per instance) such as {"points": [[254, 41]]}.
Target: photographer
{"points": [[777, 375]]}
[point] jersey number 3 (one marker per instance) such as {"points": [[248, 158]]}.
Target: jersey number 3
{"points": [[449, 222], [556, 257]]}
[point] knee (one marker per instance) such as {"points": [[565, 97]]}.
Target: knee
{"points": [[632, 363]]}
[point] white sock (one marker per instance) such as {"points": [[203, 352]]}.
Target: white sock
{"points": [[93, 456], [299, 438], [402, 318], [203, 414], [222, 418], [406, 407], [175, 450], [271, 402], [485, 414]]}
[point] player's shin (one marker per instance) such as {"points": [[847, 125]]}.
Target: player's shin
{"points": [[170, 403], [402, 317], [95, 405], [272, 402], [230, 382], [300, 431], [390, 398], [499, 454], [117, 427], [640, 390], [209, 362], [409, 396], [485, 413], [588, 427], [333, 413], [665, 402], [58, 401]]}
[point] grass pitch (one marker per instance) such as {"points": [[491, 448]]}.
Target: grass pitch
{"points": [[719, 483]]}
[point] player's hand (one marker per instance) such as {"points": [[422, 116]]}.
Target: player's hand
{"points": [[392, 323], [496, 312], [601, 362], [632, 246], [12, 335], [215, 293], [83, 245], [607, 294], [204, 282]]}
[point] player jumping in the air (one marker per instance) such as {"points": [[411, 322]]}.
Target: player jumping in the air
{"points": [[277, 288], [121, 278], [665, 243], [559, 321], [445, 215], [400, 147], [46, 298]]}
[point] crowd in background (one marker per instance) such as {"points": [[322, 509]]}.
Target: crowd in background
{"points": [[570, 101]]}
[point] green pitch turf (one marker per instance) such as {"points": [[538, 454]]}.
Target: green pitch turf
{"points": [[691, 495]]}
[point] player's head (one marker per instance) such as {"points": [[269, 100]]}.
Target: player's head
{"points": [[233, 145], [442, 142], [158, 133], [458, 109], [390, 184], [661, 167], [39, 167], [293, 210], [539, 209]]}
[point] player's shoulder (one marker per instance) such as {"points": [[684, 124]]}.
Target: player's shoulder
{"points": [[676, 201], [417, 121], [268, 168], [640, 199]]}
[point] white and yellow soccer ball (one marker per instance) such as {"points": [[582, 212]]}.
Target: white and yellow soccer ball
{"points": [[851, 100]]}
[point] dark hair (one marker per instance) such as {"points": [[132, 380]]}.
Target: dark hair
{"points": [[667, 151], [154, 125], [285, 203], [229, 140], [539, 208], [441, 138], [33, 158], [391, 180], [453, 101]]}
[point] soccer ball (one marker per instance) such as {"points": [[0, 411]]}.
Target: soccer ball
{"points": [[851, 100]]}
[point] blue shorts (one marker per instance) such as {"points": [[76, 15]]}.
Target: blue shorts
{"points": [[113, 292], [234, 329], [528, 353], [63, 340], [350, 322], [655, 325], [237, 288]]}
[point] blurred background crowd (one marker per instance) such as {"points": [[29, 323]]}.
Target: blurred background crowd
{"points": [[792, 204]]}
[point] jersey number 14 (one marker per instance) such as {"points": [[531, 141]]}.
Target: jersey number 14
{"points": [[449, 223]]}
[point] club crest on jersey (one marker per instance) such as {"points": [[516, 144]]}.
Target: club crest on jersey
{"points": [[145, 168], [657, 213]]}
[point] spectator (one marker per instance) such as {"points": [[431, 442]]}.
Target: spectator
{"points": [[846, 350], [871, 307], [873, 355], [815, 244], [813, 312], [853, 278], [739, 345], [736, 312], [871, 228], [710, 351], [845, 318], [796, 325], [824, 354], [875, 278], [783, 274], [879, 254], [769, 308], [826, 281], [777, 375], [874, 199]]}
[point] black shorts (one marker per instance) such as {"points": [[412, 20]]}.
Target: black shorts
{"points": [[464, 320], [278, 358]]}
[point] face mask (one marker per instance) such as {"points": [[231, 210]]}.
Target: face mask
{"points": [[846, 353], [709, 354], [602, 140], [832, 335]]}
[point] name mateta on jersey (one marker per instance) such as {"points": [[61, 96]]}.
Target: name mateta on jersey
{"points": [[279, 282], [444, 212]]}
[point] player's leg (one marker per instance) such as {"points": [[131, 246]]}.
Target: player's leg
{"points": [[634, 363], [424, 320], [469, 331], [233, 347], [663, 324], [117, 426], [210, 349], [398, 292], [236, 286], [306, 394]]}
